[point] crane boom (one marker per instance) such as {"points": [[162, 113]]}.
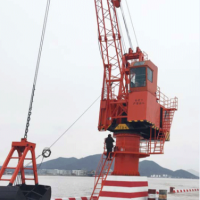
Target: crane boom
{"points": [[111, 52], [115, 77]]}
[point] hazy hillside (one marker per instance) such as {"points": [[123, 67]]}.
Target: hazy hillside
{"points": [[193, 172], [146, 168], [182, 173], [89, 163], [59, 163]]}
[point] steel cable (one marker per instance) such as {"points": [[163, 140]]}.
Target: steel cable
{"points": [[34, 85], [126, 27], [75, 122], [64, 132], [123, 42], [132, 23], [37, 67]]}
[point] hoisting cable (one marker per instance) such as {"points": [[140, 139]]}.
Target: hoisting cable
{"points": [[120, 29], [37, 67], [132, 23], [123, 16], [75, 121], [47, 151]]}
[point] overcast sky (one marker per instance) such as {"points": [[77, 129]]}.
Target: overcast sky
{"points": [[71, 71]]}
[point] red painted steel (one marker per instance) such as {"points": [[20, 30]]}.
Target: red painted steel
{"points": [[115, 77], [127, 162], [123, 194], [138, 114], [22, 149], [126, 183], [116, 3], [101, 174], [119, 101]]}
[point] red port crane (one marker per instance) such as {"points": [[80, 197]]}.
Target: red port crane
{"points": [[132, 106]]}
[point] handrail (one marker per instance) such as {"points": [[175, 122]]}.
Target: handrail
{"points": [[144, 148], [165, 101]]}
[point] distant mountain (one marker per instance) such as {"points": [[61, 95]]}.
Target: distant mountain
{"points": [[149, 168], [183, 174], [193, 172], [88, 163], [59, 163], [146, 168]]}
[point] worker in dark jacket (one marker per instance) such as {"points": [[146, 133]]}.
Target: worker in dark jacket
{"points": [[109, 145]]}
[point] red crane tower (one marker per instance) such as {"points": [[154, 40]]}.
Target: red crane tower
{"points": [[132, 106]]}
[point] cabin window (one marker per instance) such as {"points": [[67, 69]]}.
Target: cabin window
{"points": [[150, 74], [138, 77]]}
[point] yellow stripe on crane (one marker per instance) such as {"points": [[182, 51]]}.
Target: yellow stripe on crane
{"points": [[122, 127]]}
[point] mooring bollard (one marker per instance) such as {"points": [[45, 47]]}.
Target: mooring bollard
{"points": [[151, 194], [162, 194], [171, 189]]}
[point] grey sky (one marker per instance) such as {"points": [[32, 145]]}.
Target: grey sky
{"points": [[70, 76]]}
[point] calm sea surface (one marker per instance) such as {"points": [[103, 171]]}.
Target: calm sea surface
{"points": [[70, 186]]}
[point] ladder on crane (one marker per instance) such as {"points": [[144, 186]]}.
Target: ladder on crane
{"points": [[168, 118], [103, 169], [159, 143]]}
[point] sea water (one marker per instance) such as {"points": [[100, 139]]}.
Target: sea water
{"points": [[72, 186]]}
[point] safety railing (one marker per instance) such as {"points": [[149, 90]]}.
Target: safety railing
{"points": [[145, 55], [143, 148], [165, 101], [156, 147], [150, 146]]}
